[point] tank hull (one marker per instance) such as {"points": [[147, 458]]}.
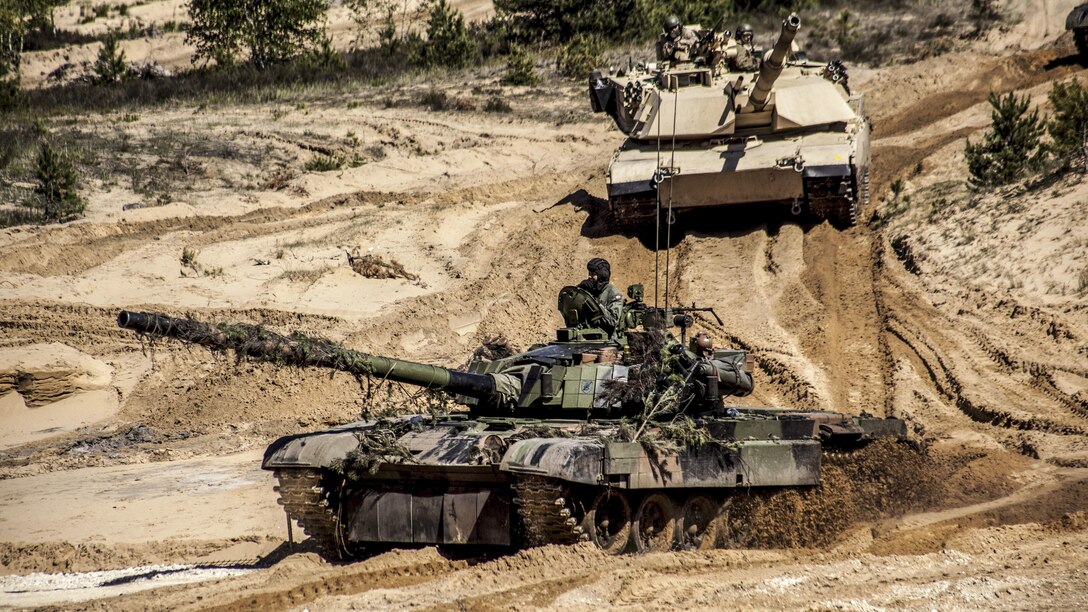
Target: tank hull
{"points": [[524, 482], [823, 172]]}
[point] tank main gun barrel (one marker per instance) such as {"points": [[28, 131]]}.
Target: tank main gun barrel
{"points": [[263, 345], [774, 62]]}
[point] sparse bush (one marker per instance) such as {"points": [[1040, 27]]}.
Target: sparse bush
{"points": [[495, 104], [324, 163], [325, 56], [1069, 124], [188, 256], [448, 43], [580, 56], [845, 30], [520, 69], [110, 66], [1010, 148], [9, 91], [272, 31], [56, 194], [435, 100], [984, 10]]}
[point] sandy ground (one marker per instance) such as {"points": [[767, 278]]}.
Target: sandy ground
{"points": [[966, 316]]}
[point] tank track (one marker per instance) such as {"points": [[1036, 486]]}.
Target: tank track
{"points": [[548, 513], [304, 498]]}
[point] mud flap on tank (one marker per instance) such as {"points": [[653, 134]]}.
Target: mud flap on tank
{"points": [[831, 193], [633, 202], [450, 515]]}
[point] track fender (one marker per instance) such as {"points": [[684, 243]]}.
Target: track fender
{"points": [[571, 460]]}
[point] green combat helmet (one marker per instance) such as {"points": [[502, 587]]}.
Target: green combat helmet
{"points": [[617, 436]]}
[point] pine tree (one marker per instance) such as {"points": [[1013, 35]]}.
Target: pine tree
{"points": [[57, 184], [520, 69], [1069, 125], [1010, 148], [110, 66], [448, 43]]}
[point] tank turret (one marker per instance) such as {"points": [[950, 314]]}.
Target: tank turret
{"points": [[584, 370]]}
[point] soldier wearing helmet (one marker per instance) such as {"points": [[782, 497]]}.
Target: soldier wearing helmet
{"points": [[676, 42], [743, 55], [702, 345], [598, 285]]}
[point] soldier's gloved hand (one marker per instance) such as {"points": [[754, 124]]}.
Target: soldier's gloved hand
{"points": [[587, 284]]}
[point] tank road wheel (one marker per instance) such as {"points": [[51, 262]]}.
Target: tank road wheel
{"points": [[699, 525], [608, 521], [655, 524]]}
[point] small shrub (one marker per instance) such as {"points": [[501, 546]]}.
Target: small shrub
{"points": [[1069, 124], [325, 57], [845, 29], [57, 197], [188, 256], [1010, 148], [448, 43], [435, 100], [9, 79], [985, 10], [580, 56], [10, 96], [324, 163], [495, 104], [520, 69], [110, 66]]}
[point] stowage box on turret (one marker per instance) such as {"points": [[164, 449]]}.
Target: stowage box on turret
{"points": [[709, 131], [615, 432]]}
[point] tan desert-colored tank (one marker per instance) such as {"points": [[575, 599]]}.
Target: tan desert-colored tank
{"points": [[703, 132]]}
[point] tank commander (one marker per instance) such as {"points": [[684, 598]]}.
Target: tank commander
{"points": [[743, 55], [598, 285], [702, 345], [676, 43]]}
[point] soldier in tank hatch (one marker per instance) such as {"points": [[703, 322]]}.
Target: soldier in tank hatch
{"points": [[600, 273], [676, 43], [743, 55]]}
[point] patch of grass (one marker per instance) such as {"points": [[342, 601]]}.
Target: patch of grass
{"points": [[308, 277], [324, 163]]}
